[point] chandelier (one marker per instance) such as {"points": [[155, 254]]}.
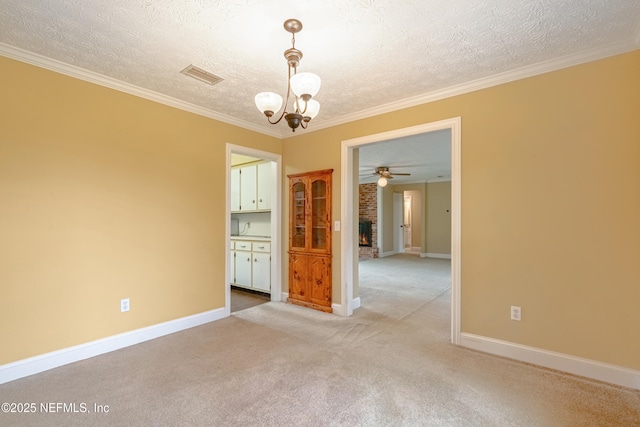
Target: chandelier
{"points": [[304, 86]]}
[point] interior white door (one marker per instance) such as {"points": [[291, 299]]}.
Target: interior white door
{"points": [[407, 222]]}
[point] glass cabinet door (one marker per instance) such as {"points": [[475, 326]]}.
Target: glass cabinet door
{"points": [[299, 194], [319, 224]]}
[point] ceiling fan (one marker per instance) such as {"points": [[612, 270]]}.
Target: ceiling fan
{"points": [[385, 174]]}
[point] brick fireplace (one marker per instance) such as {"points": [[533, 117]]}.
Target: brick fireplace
{"points": [[368, 229]]}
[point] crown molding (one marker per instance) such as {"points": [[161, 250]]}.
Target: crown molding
{"points": [[494, 80], [487, 82], [102, 80]]}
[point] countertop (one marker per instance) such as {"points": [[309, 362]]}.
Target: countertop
{"points": [[250, 237]]}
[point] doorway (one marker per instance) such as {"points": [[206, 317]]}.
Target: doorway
{"points": [[349, 185], [267, 234]]}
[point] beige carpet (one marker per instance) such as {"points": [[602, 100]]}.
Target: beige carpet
{"points": [[277, 364]]}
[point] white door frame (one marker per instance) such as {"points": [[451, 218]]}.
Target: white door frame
{"points": [[348, 237], [276, 220]]}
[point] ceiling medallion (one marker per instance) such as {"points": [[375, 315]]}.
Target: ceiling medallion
{"points": [[304, 86]]}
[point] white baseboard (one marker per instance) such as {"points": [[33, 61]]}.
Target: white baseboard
{"points": [[386, 254], [340, 310], [33, 365], [432, 255], [336, 308], [612, 374]]}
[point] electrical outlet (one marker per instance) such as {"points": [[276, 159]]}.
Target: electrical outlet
{"points": [[516, 313], [124, 305]]}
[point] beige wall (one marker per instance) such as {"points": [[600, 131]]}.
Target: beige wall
{"points": [[436, 238], [439, 218], [105, 196], [386, 204], [550, 205]]}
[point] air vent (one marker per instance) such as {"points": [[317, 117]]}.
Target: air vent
{"points": [[202, 75]]}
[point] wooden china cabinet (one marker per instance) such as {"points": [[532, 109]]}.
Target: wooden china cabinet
{"points": [[310, 239]]}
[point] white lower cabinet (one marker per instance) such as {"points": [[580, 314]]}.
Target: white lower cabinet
{"points": [[252, 265]]}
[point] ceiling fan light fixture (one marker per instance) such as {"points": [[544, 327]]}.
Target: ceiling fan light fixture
{"points": [[303, 85], [385, 175]]}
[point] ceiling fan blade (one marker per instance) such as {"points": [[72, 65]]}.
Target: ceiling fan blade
{"points": [[405, 174]]}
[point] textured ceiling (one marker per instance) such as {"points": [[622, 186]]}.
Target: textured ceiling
{"points": [[372, 55], [426, 157]]}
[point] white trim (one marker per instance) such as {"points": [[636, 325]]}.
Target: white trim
{"points": [[386, 254], [106, 81], [495, 80], [487, 82], [276, 220], [338, 309], [456, 229], [285, 295], [432, 255], [348, 264], [559, 361], [33, 365]]}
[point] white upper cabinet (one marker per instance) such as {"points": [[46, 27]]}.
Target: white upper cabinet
{"points": [[251, 187], [264, 186], [248, 188]]}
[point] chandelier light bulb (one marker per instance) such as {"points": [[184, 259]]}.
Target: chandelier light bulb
{"points": [[305, 84], [382, 182], [313, 107], [268, 101]]}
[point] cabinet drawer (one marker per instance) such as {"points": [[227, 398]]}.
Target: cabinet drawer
{"points": [[261, 247], [243, 246]]}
